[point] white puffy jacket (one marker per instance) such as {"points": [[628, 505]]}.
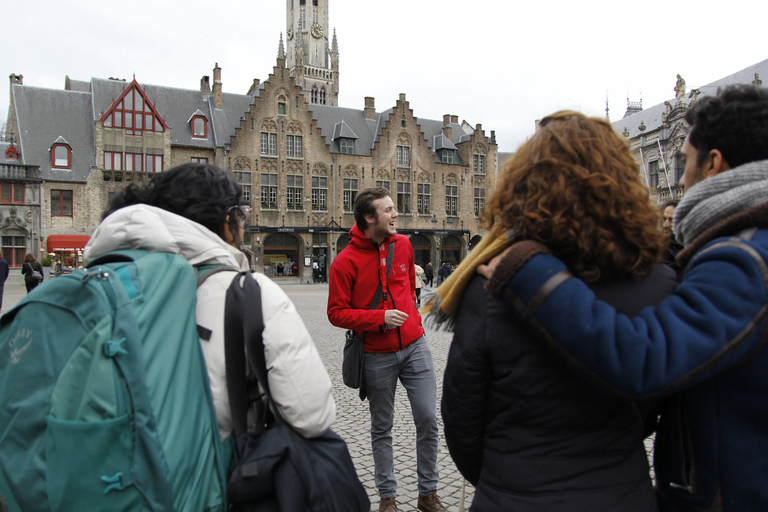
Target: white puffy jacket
{"points": [[298, 381]]}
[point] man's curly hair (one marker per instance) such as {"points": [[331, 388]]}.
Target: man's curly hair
{"points": [[575, 188], [735, 122]]}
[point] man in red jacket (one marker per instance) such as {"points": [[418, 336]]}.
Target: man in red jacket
{"points": [[395, 346]]}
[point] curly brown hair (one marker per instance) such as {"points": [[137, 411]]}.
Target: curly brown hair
{"points": [[575, 188]]}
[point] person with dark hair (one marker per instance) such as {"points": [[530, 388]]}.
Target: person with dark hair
{"points": [[445, 271], [429, 274], [528, 431], [195, 210], [673, 246], [4, 270], [395, 346], [28, 268], [704, 346]]}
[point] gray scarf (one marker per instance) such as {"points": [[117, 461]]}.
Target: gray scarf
{"points": [[719, 197]]}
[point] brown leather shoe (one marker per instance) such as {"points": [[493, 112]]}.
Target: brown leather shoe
{"points": [[388, 505], [431, 503]]}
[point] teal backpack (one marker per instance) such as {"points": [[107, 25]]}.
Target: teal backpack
{"points": [[104, 395]]}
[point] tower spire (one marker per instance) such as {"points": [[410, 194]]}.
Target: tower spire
{"points": [[281, 48]]}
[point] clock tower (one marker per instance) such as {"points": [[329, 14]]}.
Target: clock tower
{"points": [[311, 59]]}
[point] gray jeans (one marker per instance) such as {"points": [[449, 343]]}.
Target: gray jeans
{"points": [[414, 367]]}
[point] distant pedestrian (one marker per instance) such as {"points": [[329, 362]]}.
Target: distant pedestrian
{"points": [[419, 283], [429, 274], [3, 276], [445, 271], [30, 266]]}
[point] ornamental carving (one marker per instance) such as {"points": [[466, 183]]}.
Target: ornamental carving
{"points": [[294, 127], [350, 171], [403, 140], [242, 163], [269, 166], [403, 175], [319, 218], [320, 169], [452, 179], [382, 174], [268, 125], [424, 177]]}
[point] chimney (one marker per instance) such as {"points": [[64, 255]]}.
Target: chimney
{"points": [[370, 110], [447, 130], [16, 79], [455, 119], [254, 87], [205, 86], [402, 96], [217, 86]]}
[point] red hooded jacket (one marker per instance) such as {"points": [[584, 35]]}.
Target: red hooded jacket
{"points": [[354, 278]]}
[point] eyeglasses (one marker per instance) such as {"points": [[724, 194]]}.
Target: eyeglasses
{"points": [[241, 209]]}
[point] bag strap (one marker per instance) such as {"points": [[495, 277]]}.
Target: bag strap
{"points": [[377, 295], [243, 330]]}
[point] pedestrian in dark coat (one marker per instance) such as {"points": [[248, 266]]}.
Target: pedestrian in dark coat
{"points": [[529, 431], [31, 265], [429, 274], [3, 276]]}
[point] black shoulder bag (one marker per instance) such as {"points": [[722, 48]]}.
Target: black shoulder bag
{"points": [[276, 468], [354, 350]]}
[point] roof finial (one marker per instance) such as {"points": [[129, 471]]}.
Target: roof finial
{"points": [[281, 48]]}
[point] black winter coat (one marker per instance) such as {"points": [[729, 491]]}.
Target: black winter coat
{"points": [[531, 433]]}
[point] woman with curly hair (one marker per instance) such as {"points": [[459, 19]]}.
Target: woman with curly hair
{"points": [[528, 431]]}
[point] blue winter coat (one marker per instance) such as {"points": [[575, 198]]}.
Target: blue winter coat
{"points": [[704, 344]]}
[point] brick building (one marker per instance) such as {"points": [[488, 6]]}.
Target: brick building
{"points": [[300, 158]]}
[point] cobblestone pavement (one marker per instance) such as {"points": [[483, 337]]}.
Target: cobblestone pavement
{"points": [[352, 415], [353, 420]]}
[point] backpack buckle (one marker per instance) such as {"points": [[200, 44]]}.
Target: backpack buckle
{"points": [[112, 348], [117, 482]]}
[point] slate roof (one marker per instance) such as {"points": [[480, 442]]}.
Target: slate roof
{"points": [[367, 130], [651, 117], [44, 115], [176, 106]]}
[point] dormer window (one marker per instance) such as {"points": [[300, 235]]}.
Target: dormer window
{"points": [[11, 153], [447, 156], [344, 137], [347, 146], [199, 127], [61, 155]]}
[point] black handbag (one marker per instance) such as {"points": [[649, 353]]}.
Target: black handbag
{"points": [[354, 351], [275, 467]]}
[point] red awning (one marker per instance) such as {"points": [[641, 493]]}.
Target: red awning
{"points": [[67, 243]]}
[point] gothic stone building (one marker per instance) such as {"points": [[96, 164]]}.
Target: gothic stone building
{"points": [[657, 134]]}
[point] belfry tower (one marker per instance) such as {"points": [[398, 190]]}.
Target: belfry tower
{"points": [[310, 58]]}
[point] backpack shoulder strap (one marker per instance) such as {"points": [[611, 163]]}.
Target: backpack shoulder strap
{"points": [[243, 330]]}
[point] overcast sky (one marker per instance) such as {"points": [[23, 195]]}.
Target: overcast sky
{"points": [[499, 63]]}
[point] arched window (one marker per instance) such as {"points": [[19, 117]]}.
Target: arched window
{"points": [[61, 155], [199, 127]]}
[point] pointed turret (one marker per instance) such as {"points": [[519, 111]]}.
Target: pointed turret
{"points": [[281, 48]]}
